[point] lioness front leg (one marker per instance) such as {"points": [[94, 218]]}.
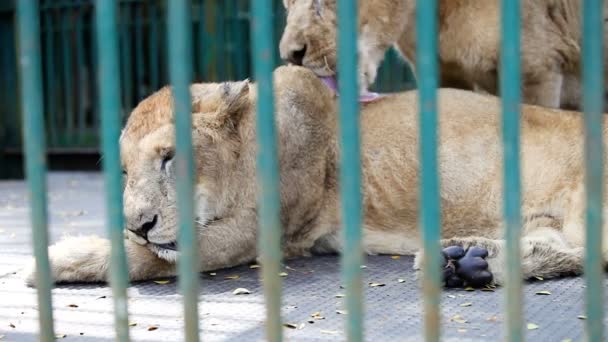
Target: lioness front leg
{"points": [[87, 259], [543, 89]]}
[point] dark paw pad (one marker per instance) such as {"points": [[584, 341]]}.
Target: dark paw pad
{"points": [[465, 268]]}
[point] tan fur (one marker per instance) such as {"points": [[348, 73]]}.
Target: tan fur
{"points": [[470, 152], [469, 40]]}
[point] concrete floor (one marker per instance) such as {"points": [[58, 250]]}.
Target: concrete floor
{"points": [[84, 312]]}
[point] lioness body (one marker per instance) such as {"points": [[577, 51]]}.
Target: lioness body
{"points": [[224, 141], [469, 43]]}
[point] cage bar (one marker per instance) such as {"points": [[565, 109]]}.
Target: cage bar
{"points": [[110, 111], [180, 72], [430, 219], [350, 168], [269, 206], [34, 140], [511, 98], [593, 104]]}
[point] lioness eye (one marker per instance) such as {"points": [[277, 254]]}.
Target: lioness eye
{"points": [[166, 160]]}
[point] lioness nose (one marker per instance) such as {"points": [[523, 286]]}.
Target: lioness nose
{"points": [[145, 227], [297, 56]]}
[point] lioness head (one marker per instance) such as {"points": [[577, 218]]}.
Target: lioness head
{"points": [[148, 150], [309, 38]]}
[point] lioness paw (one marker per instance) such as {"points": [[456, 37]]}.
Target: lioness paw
{"points": [[461, 268], [74, 259]]}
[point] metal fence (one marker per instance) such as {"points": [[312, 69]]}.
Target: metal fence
{"points": [[264, 45], [70, 62]]}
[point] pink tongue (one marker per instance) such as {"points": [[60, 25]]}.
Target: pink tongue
{"points": [[331, 82]]}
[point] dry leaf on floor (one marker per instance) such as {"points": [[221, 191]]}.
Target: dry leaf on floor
{"points": [[469, 288], [316, 315], [11, 325], [492, 319], [581, 317], [363, 266], [401, 280], [539, 278], [241, 291], [254, 266], [132, 324], [283, 274], [376, 284], [532, 326], [290, 325], [72, 306], [152, 327], [451, 296], [543, 293], [396, 257], [464, 305], [162, 282], [330, 332], [236, 276], [61, 335], [213, 274], [340, 295], [458, 319], [341, 312]]}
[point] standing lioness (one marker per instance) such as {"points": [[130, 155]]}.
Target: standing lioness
{"points": [[225, 149], [469, 42]]}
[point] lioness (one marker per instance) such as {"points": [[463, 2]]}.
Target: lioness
{"points": [[225, 149], [469, 39]]}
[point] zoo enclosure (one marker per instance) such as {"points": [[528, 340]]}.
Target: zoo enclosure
{"points": [[180, 52], [221, 31]]}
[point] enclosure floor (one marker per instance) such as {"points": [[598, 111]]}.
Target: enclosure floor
{"points": [[392, 311]]}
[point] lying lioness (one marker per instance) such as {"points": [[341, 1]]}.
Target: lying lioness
{"points": [[468, 43], [225, 149]]}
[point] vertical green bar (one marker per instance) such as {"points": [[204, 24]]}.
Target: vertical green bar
{"points": [[110, 111], [180, 72], [50, 81], [269, 207], [511, 98], [593, 97], [430, 212], [350, 168], [125, 47], [68, 74], [80, 70], [139, 52], [153, 52], [35, 158]]}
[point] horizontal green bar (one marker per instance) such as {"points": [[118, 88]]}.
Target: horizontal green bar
{"points": [[269, 240], [511, 98], [110, 111], [593, 104], [350, 168], [34, 140], [180, 72], [430, 219]]}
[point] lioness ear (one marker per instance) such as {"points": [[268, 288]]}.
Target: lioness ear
{"points": [[233, 100]]}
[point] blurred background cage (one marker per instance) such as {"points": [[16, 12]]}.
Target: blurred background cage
{"points": [[221, 52]]}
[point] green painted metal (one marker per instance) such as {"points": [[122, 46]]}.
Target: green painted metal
{"points": [[67, 68], [269, 206], [180, 72], [109, 92], [510, 93], [350, 168], [593, 101], [30, 69], [126, 55], [430, 215], [49, 76]]}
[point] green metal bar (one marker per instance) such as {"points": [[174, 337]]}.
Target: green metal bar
{"points": [[593, 101], [139, 52], [511, 98], [350, 168], [80, 70], [125, 49], [430, 212], [110, 110], [200, 42], [153, 44], [269, 207], [220, 20], [66, 26], [180, 72], [49, 69], [35, 159]]}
